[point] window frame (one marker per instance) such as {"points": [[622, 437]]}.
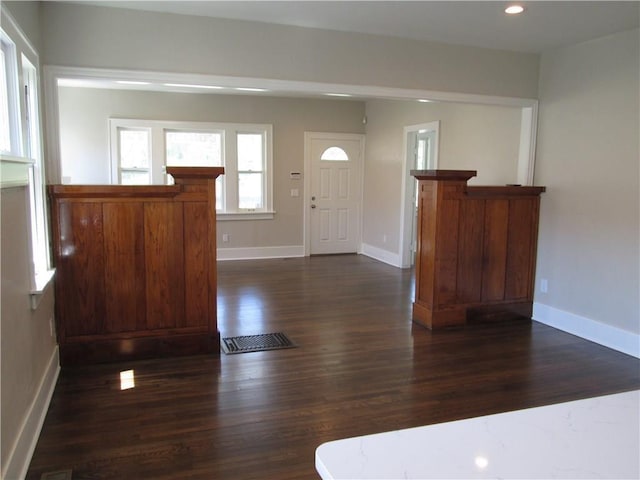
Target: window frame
{"points": [[32, 134], [119, 169], [22, 73], [263, 172], [227, 184]]}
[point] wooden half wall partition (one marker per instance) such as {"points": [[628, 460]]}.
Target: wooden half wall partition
{"points": [[476, 253], [136, 268]]}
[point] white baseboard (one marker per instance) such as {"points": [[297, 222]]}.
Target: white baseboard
{"points": [[251, 253], [607, 335], [24, 446], [382, 255], [260, 252]]}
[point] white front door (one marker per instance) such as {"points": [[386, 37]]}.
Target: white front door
{"points": [[334, 196]]}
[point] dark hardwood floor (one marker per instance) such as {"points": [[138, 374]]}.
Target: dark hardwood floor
{"points": [[361, 366]]}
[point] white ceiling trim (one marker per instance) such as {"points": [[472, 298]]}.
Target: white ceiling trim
{"points": [[105, 78]]}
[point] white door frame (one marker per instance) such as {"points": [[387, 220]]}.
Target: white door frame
{"points": [[308, 137], [409, 186]]}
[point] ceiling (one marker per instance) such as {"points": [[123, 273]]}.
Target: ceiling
{"points": [[544, 25]]}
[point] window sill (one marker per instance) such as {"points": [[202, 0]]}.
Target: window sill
{"points": [[14, 171], [41, 283], [222, 216]]}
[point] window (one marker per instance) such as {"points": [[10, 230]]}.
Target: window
{"points": [[134, 150], [250, 170], [334, 154], [141, 149], [20, 140], [39, 233], [197, 149], [10, 123], [5, 123]]}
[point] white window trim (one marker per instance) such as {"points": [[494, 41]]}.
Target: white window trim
{"points": [[230, 178], [40, 268], [42, 273], [114, 140]]}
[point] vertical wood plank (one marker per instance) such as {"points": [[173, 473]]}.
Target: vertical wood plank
{"points": [[164, 269], [214, 334], [496, 220], [125, 294], [425, 258], [522, 219], [447, 245], [470, 245], [80, 283], [196, 258]]}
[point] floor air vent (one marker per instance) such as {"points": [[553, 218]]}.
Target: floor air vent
{"points": [[255, 343]]}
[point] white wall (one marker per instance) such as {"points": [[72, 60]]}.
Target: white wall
{"points": [[84, 114], [27, 16], [472, 137], [28, 351], [588, 157], [89, 36]]}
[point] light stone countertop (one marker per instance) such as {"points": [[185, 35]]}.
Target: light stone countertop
{"points": [[592, 438]]}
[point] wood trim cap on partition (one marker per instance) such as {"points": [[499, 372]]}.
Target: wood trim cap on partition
{"points": [[455, 175], [195, 172]]}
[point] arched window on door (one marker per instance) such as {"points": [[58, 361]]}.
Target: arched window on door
{"points": [[335, 154]]}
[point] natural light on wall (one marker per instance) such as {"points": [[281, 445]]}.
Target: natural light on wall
{"points": [[127, 380]]}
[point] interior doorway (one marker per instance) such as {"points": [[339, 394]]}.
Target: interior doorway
{"points": [[421, 147]]}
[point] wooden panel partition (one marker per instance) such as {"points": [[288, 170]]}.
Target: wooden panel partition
{"points": [[476, 250], [136, 268]]}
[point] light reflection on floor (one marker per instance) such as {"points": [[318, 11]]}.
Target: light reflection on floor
{"points": [[242, 313]]}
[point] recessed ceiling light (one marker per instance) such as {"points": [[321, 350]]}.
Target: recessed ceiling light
{"points": [[132, 82], [424, 100], [251, 89], [514, 9], [337, 94], [188, 85]]}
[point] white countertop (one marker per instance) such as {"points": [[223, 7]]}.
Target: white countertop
{"points": [[592, 438]]}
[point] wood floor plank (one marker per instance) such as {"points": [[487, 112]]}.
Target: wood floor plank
{"points": [[361, 367]]}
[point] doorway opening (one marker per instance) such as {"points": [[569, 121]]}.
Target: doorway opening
{"points": [[421, 145]]}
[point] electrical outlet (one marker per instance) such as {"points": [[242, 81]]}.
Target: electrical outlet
{"points": [[225, 237], [544, 285]]}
